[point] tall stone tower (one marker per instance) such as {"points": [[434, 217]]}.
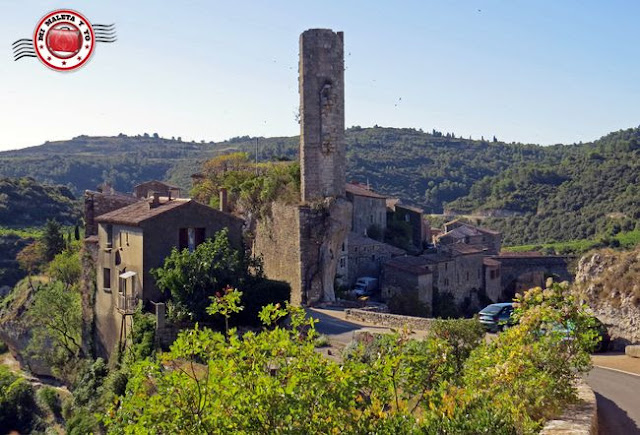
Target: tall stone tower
{"points": [[322, 145]]}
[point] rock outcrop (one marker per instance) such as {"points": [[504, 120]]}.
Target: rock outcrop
{"points": [[609, 282]]}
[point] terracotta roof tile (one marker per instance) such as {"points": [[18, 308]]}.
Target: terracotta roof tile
{"points": [[140, 211], [361, 190], [415, 265]]}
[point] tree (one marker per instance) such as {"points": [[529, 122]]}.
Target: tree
{"points": [[76, 232], [192, 277], [66, 268], [52, 239], [31, 257], [56, 317]]}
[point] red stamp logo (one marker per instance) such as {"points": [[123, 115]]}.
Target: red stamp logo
{"points": [[64, 40]]}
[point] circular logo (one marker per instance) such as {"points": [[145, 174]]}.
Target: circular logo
{"points": [[64, 40]]}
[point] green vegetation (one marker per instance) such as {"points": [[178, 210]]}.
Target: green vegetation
{"points": [[251, 188], [18, 409], [274, 381], [557, 193], [625, 240]]}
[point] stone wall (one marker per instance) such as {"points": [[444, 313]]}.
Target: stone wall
{"points": [[277, 240], [98, 203], [578, 419], [389, 320]]}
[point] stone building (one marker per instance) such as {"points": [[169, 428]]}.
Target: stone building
{"points": [[148, 188], [408, 275], [100, 202], [460, 232], [363, 256], [135, 239], [369, 210], [413, 216]]}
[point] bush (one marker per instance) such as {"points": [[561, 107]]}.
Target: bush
{"points": [[444, 305], [259, 294], [49, 398], [408, 304], [18, 409], [463, 335], [3, 347]]}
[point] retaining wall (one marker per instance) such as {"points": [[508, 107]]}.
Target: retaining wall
{"points": [[389, 320]]}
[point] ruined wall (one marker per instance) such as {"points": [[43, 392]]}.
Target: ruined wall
{"points": [[277, 240], [322, 145], [98, 203]]}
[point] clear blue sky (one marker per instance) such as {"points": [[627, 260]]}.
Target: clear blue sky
{"points": [[532, 71]]}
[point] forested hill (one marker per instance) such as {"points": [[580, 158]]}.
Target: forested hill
{"points": [[27, 203], [585, 194], [426, 169], [433, 170]]}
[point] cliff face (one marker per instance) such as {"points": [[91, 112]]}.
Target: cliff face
{"points": [[609, 282]]}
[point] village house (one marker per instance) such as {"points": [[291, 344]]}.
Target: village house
{"points": [[363, 256], [137, 238], [413, 216], [457, 231], [369, 209], [410, 276]]}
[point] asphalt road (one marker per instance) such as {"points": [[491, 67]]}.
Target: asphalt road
{"points": [[338, 329], [618, 397]]}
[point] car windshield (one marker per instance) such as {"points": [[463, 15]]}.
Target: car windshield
{"points": [[492, 309]]}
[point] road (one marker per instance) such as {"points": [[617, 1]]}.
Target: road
{"points": [[332, 322], [618, 397]]}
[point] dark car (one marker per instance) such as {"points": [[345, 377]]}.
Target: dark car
{"points": [[496, 317]]}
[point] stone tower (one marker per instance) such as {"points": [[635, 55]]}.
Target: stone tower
{"points": [[322, 146]]}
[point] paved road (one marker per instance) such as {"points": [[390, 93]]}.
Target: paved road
{"points": [[332, 323], [618, 396]]}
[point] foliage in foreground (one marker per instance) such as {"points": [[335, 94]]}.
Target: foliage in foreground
{"points": [[451, 382]]}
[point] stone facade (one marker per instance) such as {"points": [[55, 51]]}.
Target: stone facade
{"points": [[369, 209], [412, 216], [99, 203], [461, 232], [408, 274], [364, 256], [322, 145]]}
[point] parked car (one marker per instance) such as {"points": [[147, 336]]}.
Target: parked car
{"points": [[366, 286], [496, 317], [600, 329]]}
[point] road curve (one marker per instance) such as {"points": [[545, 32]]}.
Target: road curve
{"points": [[618, 397]]}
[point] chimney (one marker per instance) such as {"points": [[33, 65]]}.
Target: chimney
{"points": [[156, 200], [223, 200]]}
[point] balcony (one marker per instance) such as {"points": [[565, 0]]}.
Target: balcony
{"points": [[127, 304]]}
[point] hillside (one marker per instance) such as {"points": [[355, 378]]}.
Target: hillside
{"points": [[554, 193], [583, 194]]}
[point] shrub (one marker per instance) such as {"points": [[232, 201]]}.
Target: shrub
{"points": [[259, 294], [18, 409], [444, 305], [463, 335], [3, 347], [49, 398]]}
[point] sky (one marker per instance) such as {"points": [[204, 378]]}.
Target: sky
{"points": [[536, 71]]}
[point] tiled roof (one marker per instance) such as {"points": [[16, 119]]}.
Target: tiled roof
{"points": [[415, 265], [439, 257], [361, 190], [463, 248], [410, 207], [491, 262], [140, 211], [355, 239]]}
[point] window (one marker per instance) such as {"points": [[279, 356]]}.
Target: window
{"points": [[446, 266], [342, 262], [373, 257], [190, 238], [406, 218], [342, 246], [109, 229], [106, 279]]}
